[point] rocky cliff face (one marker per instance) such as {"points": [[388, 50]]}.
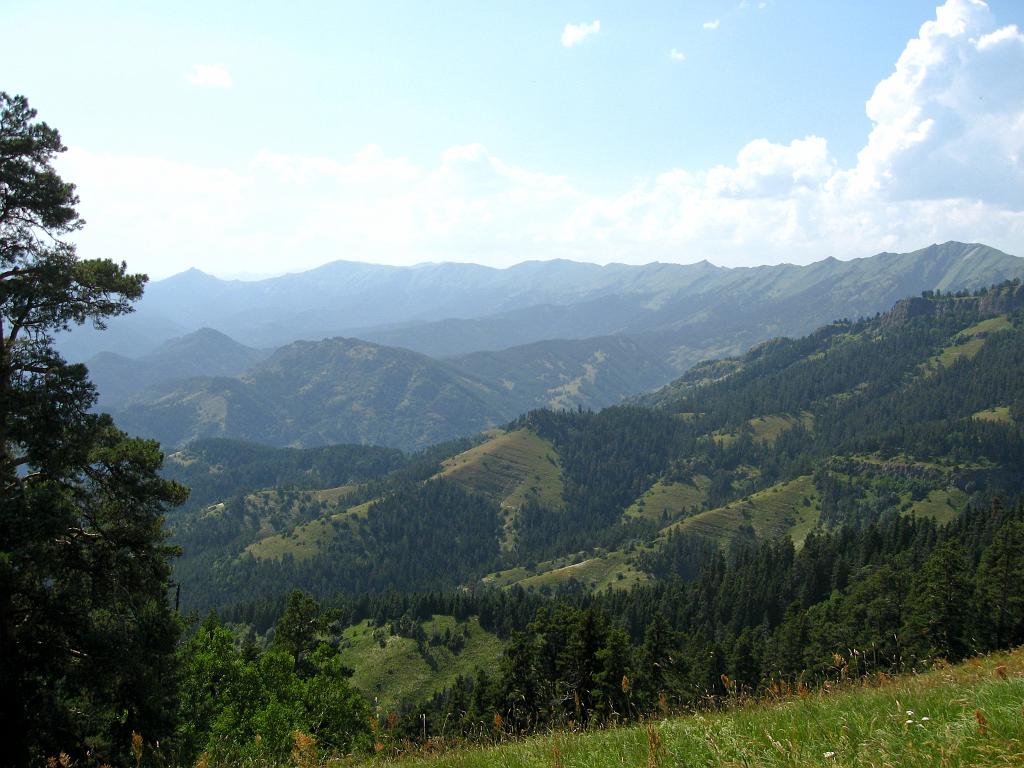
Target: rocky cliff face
{"points": [[998, 300]]}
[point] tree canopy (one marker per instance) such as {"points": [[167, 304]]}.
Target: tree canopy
{"points": [[87, 635]]}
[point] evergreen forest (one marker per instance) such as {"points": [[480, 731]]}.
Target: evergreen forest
{"points": [[817, 510]]}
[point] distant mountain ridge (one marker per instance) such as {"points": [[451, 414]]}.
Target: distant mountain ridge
{"points": [[350, 391], [486, 309], [629, 330], [205, 352]]}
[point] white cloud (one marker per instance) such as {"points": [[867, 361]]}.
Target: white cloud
{"points": [[949, 121], [944, 160], [676, 55], [577, 33], [210, 76], [712, 24]]}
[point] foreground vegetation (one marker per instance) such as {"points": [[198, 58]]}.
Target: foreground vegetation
{"points": [[967, 715], [801, 505]]}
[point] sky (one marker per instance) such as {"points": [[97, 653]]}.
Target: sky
{"points": [[250, 139]]}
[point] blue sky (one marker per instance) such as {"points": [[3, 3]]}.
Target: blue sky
{"points": [[258, 138]]}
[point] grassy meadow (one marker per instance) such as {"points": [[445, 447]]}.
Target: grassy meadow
{"points": [[967, 715]]}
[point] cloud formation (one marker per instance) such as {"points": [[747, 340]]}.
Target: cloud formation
{"points": [[713, 24], [944, 159], [573, 34], [210, 76], [676, 55], [949, 121]]}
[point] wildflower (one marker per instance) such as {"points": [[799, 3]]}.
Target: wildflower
{"points": [[925, 719], [909, 722], [829, 755], [910, 713]]}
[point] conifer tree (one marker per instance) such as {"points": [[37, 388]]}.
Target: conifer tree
{"points": [[86, 633], [938, 613], [1001, 586]]}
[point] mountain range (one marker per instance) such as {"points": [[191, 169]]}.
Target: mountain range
{"points": [[405, 357], [914, 412]]}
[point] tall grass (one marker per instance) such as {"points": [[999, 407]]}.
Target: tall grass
{"points": [[969, 715]]}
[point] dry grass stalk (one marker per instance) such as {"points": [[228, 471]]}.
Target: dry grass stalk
{"points": [[655, 747]]}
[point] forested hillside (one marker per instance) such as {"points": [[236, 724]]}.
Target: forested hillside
{"points": [[915, 411], [346, 390]]}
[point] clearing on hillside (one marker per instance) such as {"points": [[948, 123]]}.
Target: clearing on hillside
{"points": [[788, 509], [511, 468]]}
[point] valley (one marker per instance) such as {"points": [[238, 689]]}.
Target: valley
{"points": [[617, 333], [780, 443], [512, 385]]}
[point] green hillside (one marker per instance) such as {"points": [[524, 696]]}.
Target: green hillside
{"points": [[856, 421], [512, 468], [507, 467], [317, 393], [788, 509], [967, 716], [597, 571], [391, 669], [666, 501]]}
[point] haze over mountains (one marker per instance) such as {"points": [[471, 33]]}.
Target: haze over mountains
{"points": [[913, 413], [406, 357]]}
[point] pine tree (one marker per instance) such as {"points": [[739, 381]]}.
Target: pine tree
{"points": [[1001, 586], [938, 611], [87, 636]]}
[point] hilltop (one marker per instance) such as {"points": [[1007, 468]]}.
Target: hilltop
{"points": [[915, 412], [747, 528], [566, 336]]}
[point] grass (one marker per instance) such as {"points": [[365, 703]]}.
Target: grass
{"points": [[943, 505], [788, 509], [968, 342], [989, 325], [308, 540], [766, 429], [671, 500], [968, 715], [398, 672], [1000, 414], [611, 570], [511, 468]]}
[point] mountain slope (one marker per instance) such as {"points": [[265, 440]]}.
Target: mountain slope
{"points": [[397, 305], [205, 352], [853, 423], [334, 391], [346, 390]]}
